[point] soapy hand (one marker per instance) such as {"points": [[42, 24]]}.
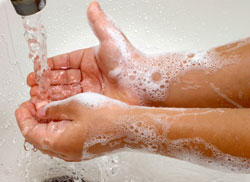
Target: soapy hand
{"points": [[72, 129], [88, 70], [75, 131], [67, 131]]}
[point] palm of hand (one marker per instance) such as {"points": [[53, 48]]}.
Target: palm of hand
{"points": [[82, 71], [88, 70]]}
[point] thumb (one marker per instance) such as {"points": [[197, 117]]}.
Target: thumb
{"points": [[58, 111], [101, 24]]}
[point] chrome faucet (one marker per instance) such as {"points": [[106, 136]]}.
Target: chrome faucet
{"points": [[28, 7]]}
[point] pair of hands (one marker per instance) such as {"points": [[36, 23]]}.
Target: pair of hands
{"points": [[67, 126]]}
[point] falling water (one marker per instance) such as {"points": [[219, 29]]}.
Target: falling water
{"points": [[35, 35]]}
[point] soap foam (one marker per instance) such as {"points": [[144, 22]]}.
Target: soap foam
{"points": [[94, 101], [146, 136], [120, 41], [143, 131], [138, 75], [87, 99], [181, 149]]}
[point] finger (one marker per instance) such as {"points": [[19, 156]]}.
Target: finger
{"points": [[28, 105], [66, 61], [25, 117], [41, 135], [60, 110], [100, 23], [46, 136], [59, 92], [70, 76], [59, 62], [64, 91], [34, 91], [58, 77], [31, 79]]}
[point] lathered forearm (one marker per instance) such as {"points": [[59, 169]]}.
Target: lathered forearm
{"points": [[211, 137], [218, 77], [93, 125]]}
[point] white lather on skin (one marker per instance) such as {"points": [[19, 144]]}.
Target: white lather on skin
{"points": [[139, 76], [140, 133], [87, 99]]}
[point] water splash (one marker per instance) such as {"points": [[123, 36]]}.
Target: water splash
{"points": [[35, 35], [109, 167]]}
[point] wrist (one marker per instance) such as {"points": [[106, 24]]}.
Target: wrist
{"points": [[105, 134], [140, 130]]}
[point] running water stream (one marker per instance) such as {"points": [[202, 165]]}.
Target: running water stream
{"points": [[35, 35]]}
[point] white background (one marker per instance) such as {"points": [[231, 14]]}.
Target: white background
{"points": [[153, 26]]}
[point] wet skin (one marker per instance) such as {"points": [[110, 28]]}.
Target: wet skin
{"points": [[88, 71]]}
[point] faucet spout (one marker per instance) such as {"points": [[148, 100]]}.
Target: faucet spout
{"points": [[28, 7]]}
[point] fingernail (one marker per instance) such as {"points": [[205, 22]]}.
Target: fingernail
{"points": [[95, 6]]}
